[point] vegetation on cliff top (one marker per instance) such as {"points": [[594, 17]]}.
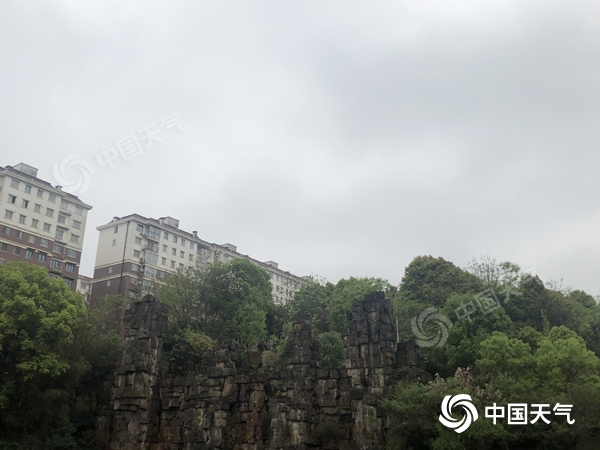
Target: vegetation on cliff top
{"points": [[540, 345]]}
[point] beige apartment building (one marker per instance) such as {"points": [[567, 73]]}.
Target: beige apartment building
{"points": [[136, 254], [40, 224]]}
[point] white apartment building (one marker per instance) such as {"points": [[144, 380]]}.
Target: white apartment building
{"points": [[134, 250], [84, 287], [40, 224]]}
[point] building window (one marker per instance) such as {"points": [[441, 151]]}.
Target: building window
{"points": [[181, 266], [16, 250], [183, 242], [40, 193], [4, 229], [68, 281], [172, 264], [31, 239], [71, 253], [47, 227], [140, 228], [22, 218], [34, 223], [37, 208], [77, 225], [8, 214], [57, 248], [136, 253], [175, 239], [52, 198], [108, 283], [54, 263], [182, 254], [29, 254], [64, 205], [191, 258], [14, 183], [44, 242], [173, 251], [74, 239], [153, 232], [25, 203], [19, 235], [164, 248], [59, 234], [3, 246], [70, 267], [62, 219], [12, 199], [42, 257], [49, 212], [114, 243], [110, 269], [28, 189], [191, 245], [163, 261], [79, 210], [138, 241], [150, 272], [166, 235], [116, 230], [151, 258]]}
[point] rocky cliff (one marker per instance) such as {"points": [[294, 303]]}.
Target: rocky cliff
{"points": [[226, 407]]}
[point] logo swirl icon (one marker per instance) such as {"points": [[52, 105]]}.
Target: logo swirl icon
{"points": [[82, 170], [418, 327], [469, 409]]}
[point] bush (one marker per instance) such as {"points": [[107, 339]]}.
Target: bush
{"points": [[332, 350], [328, 432]]}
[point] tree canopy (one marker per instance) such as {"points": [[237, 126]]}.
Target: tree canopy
{"points": [[50, 353]]}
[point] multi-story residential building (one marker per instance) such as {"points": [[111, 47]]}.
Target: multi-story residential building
{"points": [[136, 254], [40, 223], [84, 287]]}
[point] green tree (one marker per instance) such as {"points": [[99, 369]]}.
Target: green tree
{"points": [[332, 350], [38, 368], [431, 281], [225, 301], [562, 360], [493, 273], [500, 354], [309, 301], [467, 333], [184, 294], [349, 291]]}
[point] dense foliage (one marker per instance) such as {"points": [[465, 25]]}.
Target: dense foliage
{"points": [[226, 301], [53, 357], [531, 344], [513, 339]]}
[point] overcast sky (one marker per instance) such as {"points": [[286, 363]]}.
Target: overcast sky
{"points": [[337, 138]]}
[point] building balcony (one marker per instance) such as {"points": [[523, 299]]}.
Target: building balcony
{"points": [[151, 237], [56, 270]]}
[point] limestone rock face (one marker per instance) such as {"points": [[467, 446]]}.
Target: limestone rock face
{"points": [[225, 407]]}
